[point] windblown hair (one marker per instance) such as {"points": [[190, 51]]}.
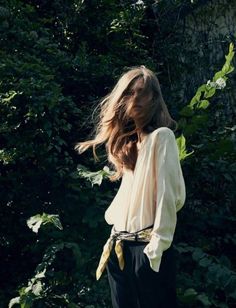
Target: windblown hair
{"points": [[118, 127]]}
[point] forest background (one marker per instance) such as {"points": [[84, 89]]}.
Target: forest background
{"points": [[58, 59]]}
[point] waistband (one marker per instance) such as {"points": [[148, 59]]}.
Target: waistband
{"points": [[142, 235]]}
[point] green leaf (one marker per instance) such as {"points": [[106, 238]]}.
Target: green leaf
{"points": [[217, 75], [10, 95], [195, 99], [202, 88], [225, 68], [13, 301], [231, 69], [198, 254], [54, 219], [203, 104], [41, 274], [95, 177], [203, 298], [190, 292], [186, 111], [205, 262], [182, 147], [37, 288], [209, 93], [189, 296], [36, 221]]}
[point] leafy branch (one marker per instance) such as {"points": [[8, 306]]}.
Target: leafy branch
{"points": [[37, 288], [36, 221], [200, 101]]}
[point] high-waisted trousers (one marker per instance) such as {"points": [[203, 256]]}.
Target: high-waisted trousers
{"points": [[137, 285]]}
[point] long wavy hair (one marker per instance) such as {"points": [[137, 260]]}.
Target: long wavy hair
{"points": [[120, 119]]}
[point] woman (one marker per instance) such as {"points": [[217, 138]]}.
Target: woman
{"points": [[138, 130]]}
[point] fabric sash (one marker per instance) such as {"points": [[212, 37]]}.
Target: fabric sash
{"points": [[118, 237]]}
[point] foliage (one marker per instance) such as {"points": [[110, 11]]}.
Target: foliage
{"points": [[211, 276], [201, 98], [94, 177], [181, 143], [36, 221], [58, 58]]}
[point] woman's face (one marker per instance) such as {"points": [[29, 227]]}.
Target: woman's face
{"points": [[137, 98]]}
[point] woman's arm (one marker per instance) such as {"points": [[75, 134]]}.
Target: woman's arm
{"points": [[170, 196]]}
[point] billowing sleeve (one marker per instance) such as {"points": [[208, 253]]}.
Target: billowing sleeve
{"points": [[170, 196]]}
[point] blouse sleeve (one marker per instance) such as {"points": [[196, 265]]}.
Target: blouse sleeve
{"points": [[170, 196]]}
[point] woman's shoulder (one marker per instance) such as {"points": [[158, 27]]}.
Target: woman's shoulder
{"points": [[160, 135], [163, 131]]}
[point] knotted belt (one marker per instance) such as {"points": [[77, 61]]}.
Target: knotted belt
{"points": [[143, 235]]}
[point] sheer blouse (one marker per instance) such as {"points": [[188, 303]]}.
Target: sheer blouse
{"points": [[152, 194]]}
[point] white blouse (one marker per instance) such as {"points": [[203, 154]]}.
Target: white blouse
{"points": [[152, 194]]}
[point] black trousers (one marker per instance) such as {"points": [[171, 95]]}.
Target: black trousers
{"points": [[138, 286]]}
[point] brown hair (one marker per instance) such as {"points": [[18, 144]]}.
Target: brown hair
{"points": [[117, 125]]}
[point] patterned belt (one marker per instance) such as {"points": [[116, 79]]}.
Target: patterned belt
{"points": [[143, 235]]}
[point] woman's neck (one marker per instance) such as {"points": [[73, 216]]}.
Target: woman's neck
{"points": [[141, 135]]}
